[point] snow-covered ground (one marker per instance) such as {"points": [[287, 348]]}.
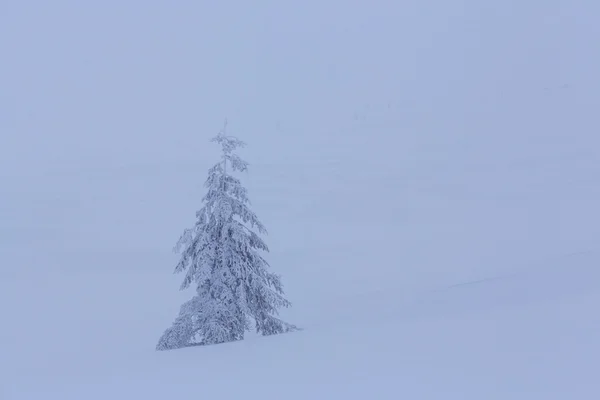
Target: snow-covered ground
{"points": [[428, 174]]}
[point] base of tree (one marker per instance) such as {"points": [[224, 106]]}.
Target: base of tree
{"points": [[202, 344]]}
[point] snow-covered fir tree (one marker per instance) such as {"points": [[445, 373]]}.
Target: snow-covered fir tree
{"points": [[221, 256]]}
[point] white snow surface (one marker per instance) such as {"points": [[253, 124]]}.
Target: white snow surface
{"points": [[428, 172]]}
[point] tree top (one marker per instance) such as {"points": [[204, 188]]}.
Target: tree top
{"points": [[228, 143]]}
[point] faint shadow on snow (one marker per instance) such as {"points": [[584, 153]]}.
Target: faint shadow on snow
{"points": [[550, 283]]}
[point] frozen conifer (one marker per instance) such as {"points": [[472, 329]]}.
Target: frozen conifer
{"points": [[220, 255]]}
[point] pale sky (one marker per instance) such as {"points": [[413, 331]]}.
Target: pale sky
{"points": [[488, 109]]}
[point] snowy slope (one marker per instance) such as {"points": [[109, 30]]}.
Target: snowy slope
{"points": [[428, 174], [528, 336]]}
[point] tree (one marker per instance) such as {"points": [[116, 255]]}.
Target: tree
{"points": [[221, 256]]}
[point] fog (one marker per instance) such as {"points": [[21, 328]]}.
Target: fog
{"points": [[394, 146]]}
